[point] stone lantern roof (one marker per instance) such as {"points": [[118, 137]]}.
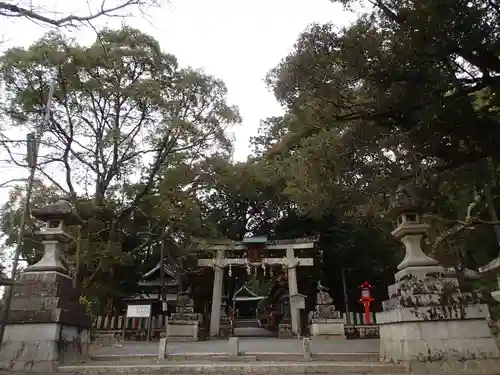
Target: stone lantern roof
{"points": [[408, 199], [60, 210]]}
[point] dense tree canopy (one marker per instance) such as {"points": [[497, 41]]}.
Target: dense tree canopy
{"points": [[408, 91]]}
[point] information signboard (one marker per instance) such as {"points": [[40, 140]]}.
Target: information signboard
{"points": [[138, 311], [298, 301]]}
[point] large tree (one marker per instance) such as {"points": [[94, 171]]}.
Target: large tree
{"points": [[408, 91], [127, 135], [121, 107], [241, 198], [407, 68]]}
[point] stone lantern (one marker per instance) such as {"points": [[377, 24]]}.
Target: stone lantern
{"points": [[410, 230], [427, 321], [46, 325], [54, 235]]}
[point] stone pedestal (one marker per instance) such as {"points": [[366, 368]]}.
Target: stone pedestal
{"points": [[225, 324], [46, 324], [327, 328], [427, 319], [184, 324], [285, 328], [326, 322], [422, 323]]}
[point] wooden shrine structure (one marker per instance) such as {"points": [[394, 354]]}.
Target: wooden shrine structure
{"points": [[254, 248], [149, 299], [247, 299]]}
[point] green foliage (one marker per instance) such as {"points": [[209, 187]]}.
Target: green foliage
{"points": [[123, 94], [88, 304], [390, 97], [259, 286]]}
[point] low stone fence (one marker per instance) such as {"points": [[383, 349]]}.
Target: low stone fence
{"points": [[113, 328], [356, 326], [362, 332], [356, 319]]}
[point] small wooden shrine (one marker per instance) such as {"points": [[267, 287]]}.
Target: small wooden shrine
{"points": [[150, 288], [245, 302]]}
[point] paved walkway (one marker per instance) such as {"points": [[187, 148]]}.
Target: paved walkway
{"points": [[247, 344]]}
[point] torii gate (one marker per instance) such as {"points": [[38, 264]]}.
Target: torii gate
{"points": [[290, 261]]}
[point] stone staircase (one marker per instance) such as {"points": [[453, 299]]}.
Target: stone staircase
{"points": [[246, 323], [243, 363], [233, 359]]}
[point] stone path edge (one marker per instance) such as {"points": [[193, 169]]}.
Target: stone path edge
{"points": [[270, 356], [240, 368]]}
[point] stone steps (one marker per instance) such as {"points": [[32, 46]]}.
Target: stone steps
{"points": [[232, 368], [244, 357], [246, 323]]}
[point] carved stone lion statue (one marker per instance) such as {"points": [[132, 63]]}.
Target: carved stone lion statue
{"points": [[323, 298]]}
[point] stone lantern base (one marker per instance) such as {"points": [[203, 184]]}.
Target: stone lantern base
{"points": [[184, 324], [326, 322], [46, 325], [428, 322]]}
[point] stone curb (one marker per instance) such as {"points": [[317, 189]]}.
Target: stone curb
{"points": [[253, 368], [278, 356]]}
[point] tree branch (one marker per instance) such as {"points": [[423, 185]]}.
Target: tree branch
{"points": [[12, 10]]}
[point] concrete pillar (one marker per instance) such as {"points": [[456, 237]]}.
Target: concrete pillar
{"points": [[293, 289], [217, 295]]}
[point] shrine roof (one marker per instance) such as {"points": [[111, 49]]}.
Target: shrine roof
{"points": [[156, 282], [244, 290], [255, 240], [153, 297], [244, 298], [169, 272]]}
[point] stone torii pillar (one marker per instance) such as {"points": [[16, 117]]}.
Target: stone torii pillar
{"points": [[217, 294], [47, 325], [293, 288]]}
